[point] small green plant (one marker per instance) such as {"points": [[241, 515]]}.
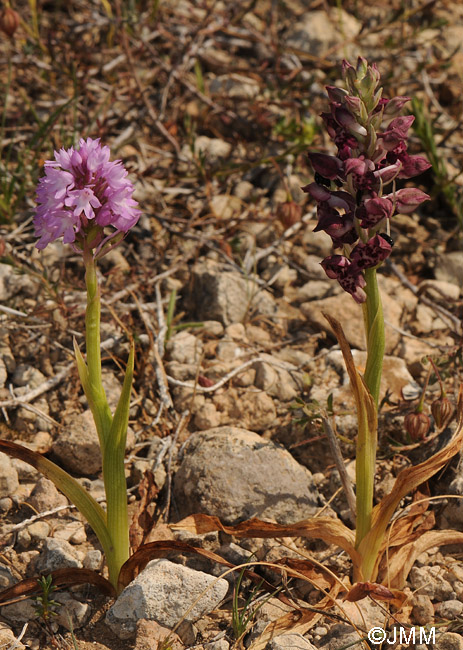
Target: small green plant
{"points": [[311, 410], [244, 615], [170, 318], [46, 606], [299, 132]]}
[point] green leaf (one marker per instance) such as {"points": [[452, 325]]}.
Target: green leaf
{"points": [[114, 476], [89, 394], [86, 504]]}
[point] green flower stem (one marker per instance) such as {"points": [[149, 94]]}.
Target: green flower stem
{"points": [[94, 391], [374, 331], [112, 431], [367, 438]]}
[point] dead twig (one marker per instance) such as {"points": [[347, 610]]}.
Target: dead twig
{"points": [[227, 377], [340, 466]]}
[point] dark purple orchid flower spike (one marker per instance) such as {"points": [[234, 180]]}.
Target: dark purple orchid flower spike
{"points": [[352, 205]]}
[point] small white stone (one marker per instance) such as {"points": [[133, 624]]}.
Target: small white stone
{"points": [[93, 560], [290, 642], [449, 609], [72, 614], [164, 592]]}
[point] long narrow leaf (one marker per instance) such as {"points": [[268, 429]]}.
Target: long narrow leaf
{"points": [[86, 504], [45, 127], [99, 417], [114, 476]]}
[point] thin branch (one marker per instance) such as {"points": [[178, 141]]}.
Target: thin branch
{"points": [[227, 377], [338, 459]]}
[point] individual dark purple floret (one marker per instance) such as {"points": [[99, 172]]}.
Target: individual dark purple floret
{"points": [[374, 210], [410, 165], [327, 166], [348, 274], [373, 252]]}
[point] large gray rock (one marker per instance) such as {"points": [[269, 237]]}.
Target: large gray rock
{"points": [[234, 474], [164, 592], [227, 296]]}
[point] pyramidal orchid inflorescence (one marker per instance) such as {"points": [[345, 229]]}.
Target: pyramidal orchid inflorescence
{"points": [[81, 193], [87, 200], [353, 204]]}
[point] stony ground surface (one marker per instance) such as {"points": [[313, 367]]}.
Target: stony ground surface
{"points": [[212, 107]]}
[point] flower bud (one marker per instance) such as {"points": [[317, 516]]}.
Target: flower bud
{"points": [[336, 94], [367, 85], [289, 213], [408, 199], [9, 21], [442, 411], [362, 67], [350, 75], [417, 425], [344, 118], [395, 105]]}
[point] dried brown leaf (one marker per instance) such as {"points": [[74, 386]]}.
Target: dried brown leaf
{"points": [[363, 399], [397, 568], [363, 589], [329, 530], [407, 481], [68, 577], [318, 578]]}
